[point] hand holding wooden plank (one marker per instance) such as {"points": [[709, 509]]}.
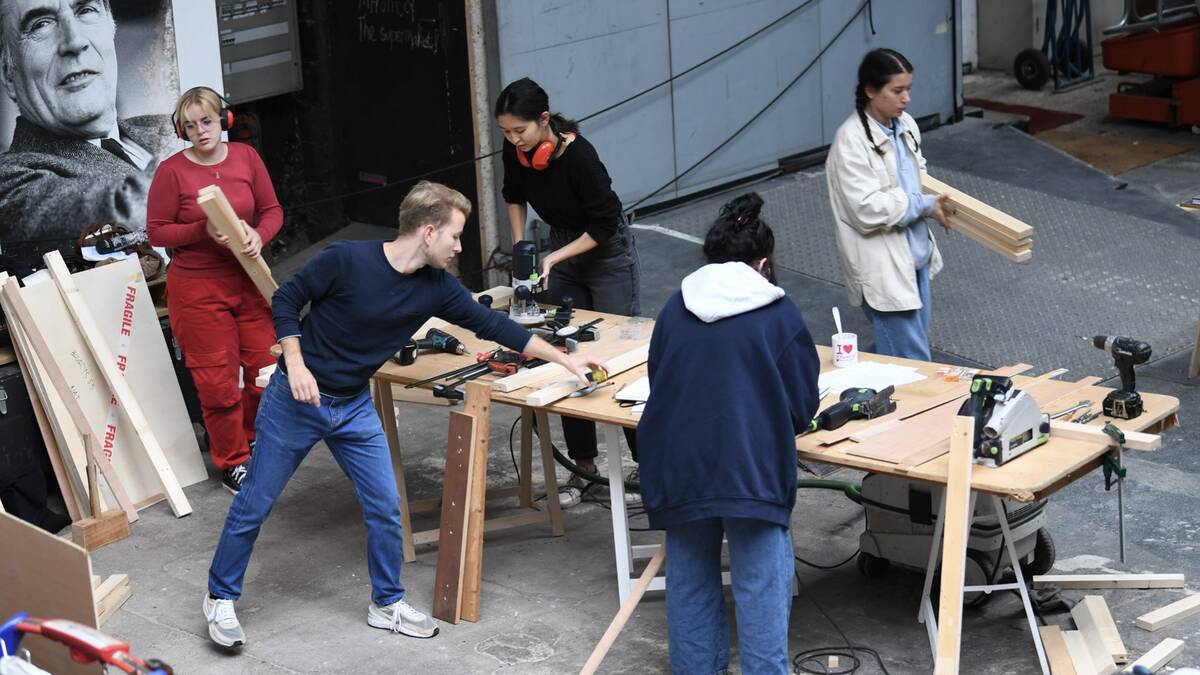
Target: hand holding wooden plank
{"points": [[985, 224], [222, 216]]}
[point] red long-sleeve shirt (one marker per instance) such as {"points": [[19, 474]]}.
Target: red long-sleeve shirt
{"points": [[174, 219]]}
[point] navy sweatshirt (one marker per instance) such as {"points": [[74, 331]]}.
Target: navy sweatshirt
{"points": [[733, 379], [362, 311]]}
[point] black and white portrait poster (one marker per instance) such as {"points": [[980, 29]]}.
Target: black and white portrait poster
{"points": [[85, 118]]}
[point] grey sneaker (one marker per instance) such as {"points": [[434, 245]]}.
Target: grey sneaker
{"points": [[223, 626], [400, 617], [571, 493]]}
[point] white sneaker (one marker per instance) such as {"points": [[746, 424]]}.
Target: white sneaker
{"points": [[400, 617], [571, 493], [223, 626]]}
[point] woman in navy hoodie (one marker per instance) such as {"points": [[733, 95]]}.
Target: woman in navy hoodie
{"points": [[733, 379]]}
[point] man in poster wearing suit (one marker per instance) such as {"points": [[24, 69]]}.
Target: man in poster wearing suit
{"points": [[72, 163]]}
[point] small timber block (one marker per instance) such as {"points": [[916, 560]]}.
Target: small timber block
{"points": [[92, 533]]}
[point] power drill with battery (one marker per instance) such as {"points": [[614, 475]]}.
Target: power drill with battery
{"points": [[436, 339], [1127, 352], [855, 404]]}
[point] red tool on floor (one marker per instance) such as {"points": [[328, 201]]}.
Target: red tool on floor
{"points": [[87, 644]]}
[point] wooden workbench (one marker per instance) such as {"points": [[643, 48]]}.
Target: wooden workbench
{"points": [[1034, 475]]}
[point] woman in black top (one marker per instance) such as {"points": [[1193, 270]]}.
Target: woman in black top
{"points": [[549, 165]]}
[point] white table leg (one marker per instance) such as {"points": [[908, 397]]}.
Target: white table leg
{"points": [[622, 550]]}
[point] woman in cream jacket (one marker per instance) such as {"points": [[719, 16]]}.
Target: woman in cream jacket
{"points": [[873, 171]]}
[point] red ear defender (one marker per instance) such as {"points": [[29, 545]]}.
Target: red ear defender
{"points": [[541, 155], [224, 115]]}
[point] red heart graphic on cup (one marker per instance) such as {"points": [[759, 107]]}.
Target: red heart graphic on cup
{"points": [[847, 348]]}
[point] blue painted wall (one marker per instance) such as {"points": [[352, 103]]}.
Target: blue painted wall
{"points": [[589, 54]]}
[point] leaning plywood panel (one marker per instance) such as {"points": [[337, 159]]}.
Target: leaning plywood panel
{"points": [[117, 298], [48, 578]]}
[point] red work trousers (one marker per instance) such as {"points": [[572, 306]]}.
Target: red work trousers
{"points": [[222, 323]]}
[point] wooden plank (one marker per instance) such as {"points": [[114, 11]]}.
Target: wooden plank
{"points": [[1057, 656], [1081, 657], [623, 614], [221, 214], [991, 242], [614, 366], [954, 547], [61, 476], [451, 558], [478, 405], [1159, 655], [549, 476], [1194, 363], [110, 291], [110, 595], [998, 220], [47, 577], [1134, 440], [1108, 581], [1096, 623], [15, 307], [115, 380], [1172, 613]]}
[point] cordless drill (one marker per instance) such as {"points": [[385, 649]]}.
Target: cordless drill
{"points": [[1124, 403], [855, 404], [435, 339]]}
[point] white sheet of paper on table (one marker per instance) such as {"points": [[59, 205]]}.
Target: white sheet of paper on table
{"points": [[638, 390], [869, 374]]}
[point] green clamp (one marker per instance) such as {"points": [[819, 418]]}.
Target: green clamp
{"points": [[1112, 467]]}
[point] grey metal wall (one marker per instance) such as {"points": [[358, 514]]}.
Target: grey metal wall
{"points": [[589, 54]]}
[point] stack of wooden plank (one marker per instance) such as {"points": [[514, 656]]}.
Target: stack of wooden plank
{"points": [[104, 393], [985, 224]]}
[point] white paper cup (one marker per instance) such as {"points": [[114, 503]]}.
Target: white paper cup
{"points": [[845, 349]]}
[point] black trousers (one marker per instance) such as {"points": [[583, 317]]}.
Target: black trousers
{"points": [[605, 279]]}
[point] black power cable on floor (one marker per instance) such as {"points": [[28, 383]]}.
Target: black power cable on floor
{"points": [[801, 661]]}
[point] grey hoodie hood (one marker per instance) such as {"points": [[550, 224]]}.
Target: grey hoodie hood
{"points": [[722, 290]]}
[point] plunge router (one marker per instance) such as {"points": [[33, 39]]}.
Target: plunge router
{"points": [[526, 283]]}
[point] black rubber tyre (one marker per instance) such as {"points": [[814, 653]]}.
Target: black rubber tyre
{"points": [[1043, 556], [872, 567], [1032, 69], [978, 569]]}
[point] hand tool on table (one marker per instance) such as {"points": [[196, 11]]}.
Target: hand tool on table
{"points": [[566, 336], [500, 361], [598, 379], [1125, 403], [436, 340], [1082, 405], [855, 404], [1007, 421], [1114, 467], [526, 283]]}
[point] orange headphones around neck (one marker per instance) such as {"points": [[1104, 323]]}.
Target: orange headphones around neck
{"points": [[224, 115], [542, 154]]}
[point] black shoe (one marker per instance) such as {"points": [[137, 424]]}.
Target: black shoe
{"points": [[233, 477]]}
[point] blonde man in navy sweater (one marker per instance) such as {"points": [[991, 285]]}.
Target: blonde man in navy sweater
{"points": [[721, 460], [365, 298]]}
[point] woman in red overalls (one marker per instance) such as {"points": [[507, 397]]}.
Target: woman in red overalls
{"points": [[218, 316]]}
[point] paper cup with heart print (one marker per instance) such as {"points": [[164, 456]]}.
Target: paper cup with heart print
{"points": [[845, 350]]}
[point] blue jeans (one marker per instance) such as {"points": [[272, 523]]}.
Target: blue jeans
{"points": [[761, 567], [286, 430], [904, 334]]}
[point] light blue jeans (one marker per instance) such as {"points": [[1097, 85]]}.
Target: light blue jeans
{"points": [[286, 430], [904, 334], [761, 567]]}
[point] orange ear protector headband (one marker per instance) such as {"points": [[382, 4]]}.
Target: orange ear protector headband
{"points": [[225, 114], [542, 154]]}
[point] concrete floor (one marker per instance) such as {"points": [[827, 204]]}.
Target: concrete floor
{"points": [[546, 600]]}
